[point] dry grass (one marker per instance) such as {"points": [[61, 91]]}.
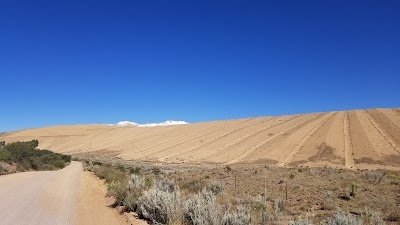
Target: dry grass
{"points": [[313, 193], [269, 195]]}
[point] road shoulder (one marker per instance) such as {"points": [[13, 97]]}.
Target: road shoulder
{"points": [[94, 207]]}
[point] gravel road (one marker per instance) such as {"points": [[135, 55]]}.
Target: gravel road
{"points": [[51, 197]]}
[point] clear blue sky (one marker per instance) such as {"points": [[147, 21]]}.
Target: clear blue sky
{"points": [[68, 62]]}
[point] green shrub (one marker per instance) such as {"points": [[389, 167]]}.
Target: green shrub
{"points": [[27, 157], [5, 155]]}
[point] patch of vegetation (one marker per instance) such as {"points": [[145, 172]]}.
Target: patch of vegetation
{"points": [[368, 217], [192, 185], [24, 156], [110, 173], [156, 171], [135, 170], [374, 176], [6, 168], [182, 196]]}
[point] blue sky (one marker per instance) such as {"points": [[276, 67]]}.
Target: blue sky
{"points": [[69, 62]]}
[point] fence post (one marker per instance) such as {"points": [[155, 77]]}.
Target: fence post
{"points": [[235, 187], [265, 186], [286, 188]]}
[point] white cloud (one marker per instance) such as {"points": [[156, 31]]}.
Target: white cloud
{"points": [[166, 123], [126, 123]]}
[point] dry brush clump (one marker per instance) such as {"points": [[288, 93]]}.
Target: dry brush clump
{"points": [[161, 204], [119, 191], [371, 217], [136, 186], [202, 209], [368, 217], [240, 216], [299, 221], [6, 168], [373, 176], [342, 218], [163, 201], [215, 187]]}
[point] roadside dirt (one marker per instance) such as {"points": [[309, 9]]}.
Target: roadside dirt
{"points": [[94, 207]]}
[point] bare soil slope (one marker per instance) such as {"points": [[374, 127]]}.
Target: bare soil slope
{"points": [[352, 139]]}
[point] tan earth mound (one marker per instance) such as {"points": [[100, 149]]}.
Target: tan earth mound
{"points": [[352, 139]]}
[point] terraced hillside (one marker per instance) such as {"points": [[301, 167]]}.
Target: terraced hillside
{"points": [[352, 139]]}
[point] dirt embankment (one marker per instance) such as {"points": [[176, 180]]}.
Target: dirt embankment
{"points": [[355, 139]]}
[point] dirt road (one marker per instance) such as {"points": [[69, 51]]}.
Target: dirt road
{"points": [[64, 197]]}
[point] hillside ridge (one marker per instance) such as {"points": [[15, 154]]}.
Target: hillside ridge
{"points": [[348, 139]]}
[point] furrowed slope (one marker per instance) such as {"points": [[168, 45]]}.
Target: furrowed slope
{"points": [[348, 139]]}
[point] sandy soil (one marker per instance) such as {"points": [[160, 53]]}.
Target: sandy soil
{"points": [[64, 197], [348, 139], [94, 207]]}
